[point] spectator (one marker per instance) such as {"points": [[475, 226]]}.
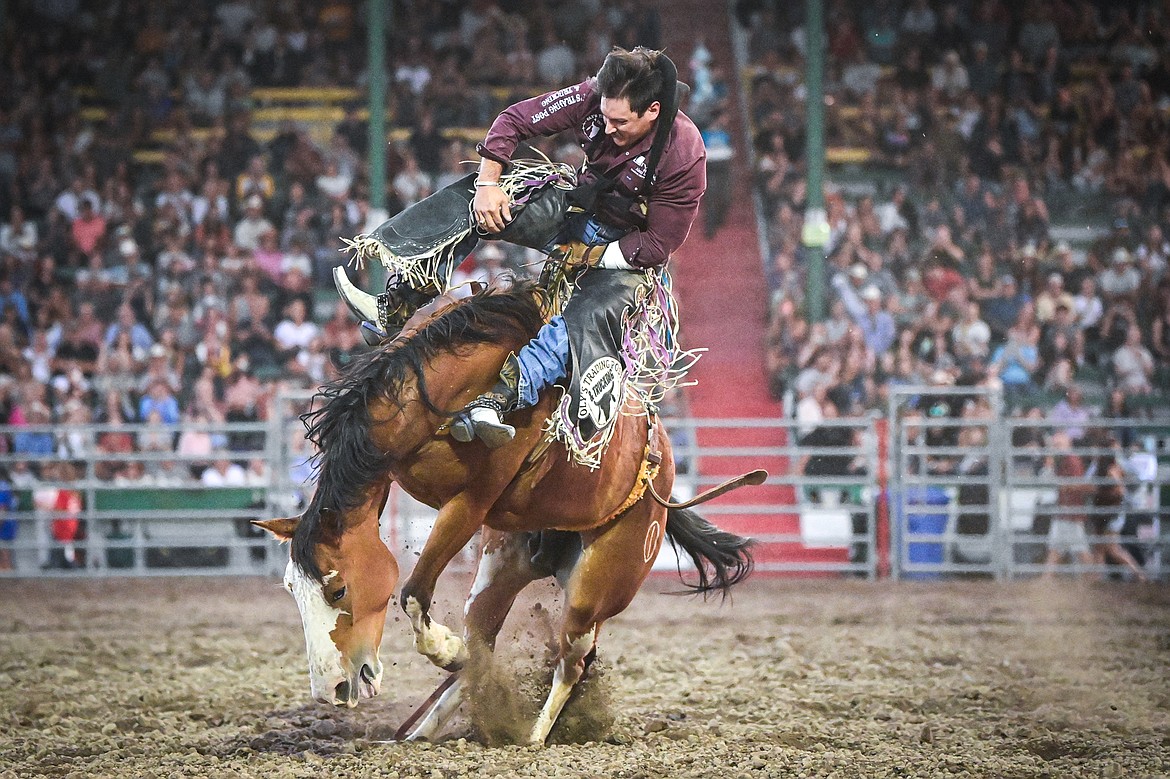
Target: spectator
{"points": [[256, 181], [1133, 365], [950, 77], [205, 97], [412, 184], [971, 337], [69, 201], [1066, 533], [1108, 518], [158, 369], [1016, 361], [61, 508], [1070, 415], [294, 333], [717, 199], [127, 324], [1153, 254], [132, 275], [1119, 282], [839, 323], [555, 61], [1088, 310], [821, 466], [332, 183], [160, 400], [224, 473], [113, 440], [877, 326], [983, 72], [13, 305], [32, 410], [1003, 310], [1051, 297], [40, 356], [88, 228], [258, 474], [268, 257], [18, 236], [1062, 339], [253, 225]]}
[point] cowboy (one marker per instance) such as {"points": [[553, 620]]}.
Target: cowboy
{"points": [[638, 194]]}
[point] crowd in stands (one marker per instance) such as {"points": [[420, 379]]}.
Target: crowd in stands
{"points": [[184, 286], [982, 128], [165, 259]]}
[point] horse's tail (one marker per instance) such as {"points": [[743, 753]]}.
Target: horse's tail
{"points": [[729, 556]]}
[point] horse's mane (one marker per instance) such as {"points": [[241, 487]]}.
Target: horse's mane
{"points": [[347, 462]]}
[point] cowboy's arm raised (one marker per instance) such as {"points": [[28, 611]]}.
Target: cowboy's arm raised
{"points": [[546, 114]]}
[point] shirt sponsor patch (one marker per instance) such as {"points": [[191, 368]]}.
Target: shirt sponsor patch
{"points": [[592, 125], [559, 94], [555, 106]]}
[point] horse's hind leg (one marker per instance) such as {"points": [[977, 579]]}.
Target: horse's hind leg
{"points": [[612, 567], [504, 570]]}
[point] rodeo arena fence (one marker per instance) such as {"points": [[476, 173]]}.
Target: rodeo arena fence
{"points": [[941, 484]]}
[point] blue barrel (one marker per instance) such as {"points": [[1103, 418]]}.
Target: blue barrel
{"points": [[919, 521]]}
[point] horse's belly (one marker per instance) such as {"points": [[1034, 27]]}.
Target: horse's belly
{"points": [[527, 521], [568, 497]]}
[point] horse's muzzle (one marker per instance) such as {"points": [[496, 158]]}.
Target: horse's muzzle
{"points": [[369, 681], [341, 695], [348, 692]]}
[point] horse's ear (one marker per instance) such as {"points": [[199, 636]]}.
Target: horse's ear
{"points": [[282, 529]]}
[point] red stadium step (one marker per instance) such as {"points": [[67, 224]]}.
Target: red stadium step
{"points": [[723, 299]]}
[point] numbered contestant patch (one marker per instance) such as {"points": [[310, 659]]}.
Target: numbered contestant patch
{"points": [[601, 387]]}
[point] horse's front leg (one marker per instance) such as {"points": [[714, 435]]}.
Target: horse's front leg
{"points": [[505, 568], [454, 528]]}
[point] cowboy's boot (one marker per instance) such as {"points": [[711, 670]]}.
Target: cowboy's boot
{"points": [[481, 417], [382, 316]]}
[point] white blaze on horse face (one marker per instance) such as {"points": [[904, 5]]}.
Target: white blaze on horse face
{"points": [[318, 619]]}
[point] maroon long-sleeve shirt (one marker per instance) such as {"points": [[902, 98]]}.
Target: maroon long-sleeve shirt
{"points": [[678, 184]]}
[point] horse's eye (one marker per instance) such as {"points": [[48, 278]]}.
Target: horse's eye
{"points": [[338, 595]]}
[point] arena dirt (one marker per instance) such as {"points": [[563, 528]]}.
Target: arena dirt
{"points": [[795, 678]]}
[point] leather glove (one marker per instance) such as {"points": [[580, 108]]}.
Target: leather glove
{"points": [[576, 254]]}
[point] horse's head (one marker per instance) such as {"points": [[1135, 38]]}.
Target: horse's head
{"points": [[340, 572], [343, 611]]}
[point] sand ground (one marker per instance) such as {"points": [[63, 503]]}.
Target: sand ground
{"points": [[827, 678]]}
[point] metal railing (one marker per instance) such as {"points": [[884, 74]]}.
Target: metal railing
{"points": [[975, 493], [138, 499], [817, 511], [908, 494]]}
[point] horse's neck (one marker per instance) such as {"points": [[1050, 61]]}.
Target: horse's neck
{"points": [[450, 381]]}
